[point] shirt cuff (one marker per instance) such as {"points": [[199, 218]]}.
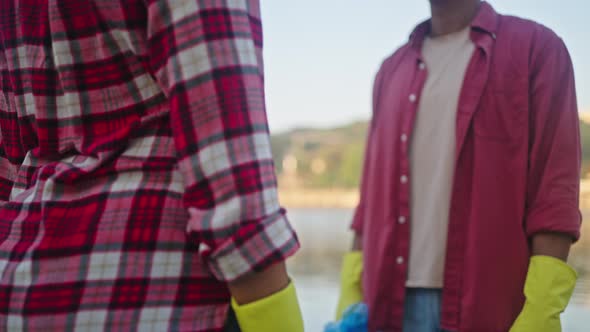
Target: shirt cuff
{"points": [[568, 223], [254, 247]]}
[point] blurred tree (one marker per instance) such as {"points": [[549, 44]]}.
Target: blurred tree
{"points": [[349, 170], [341, 150]]}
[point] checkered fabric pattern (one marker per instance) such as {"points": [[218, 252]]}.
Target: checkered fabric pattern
{"points": [[115, 117]]}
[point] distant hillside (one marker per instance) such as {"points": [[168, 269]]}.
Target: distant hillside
{"points": [[325, 157], [333, 158]]}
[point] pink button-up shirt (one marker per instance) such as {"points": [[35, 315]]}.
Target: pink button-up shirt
{"points": [[517, 172]]}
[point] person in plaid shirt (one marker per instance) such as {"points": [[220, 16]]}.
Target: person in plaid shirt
{"points": [[118, 118]]}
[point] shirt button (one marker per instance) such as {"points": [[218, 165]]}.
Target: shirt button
{"points": [[400, 260], [412, 97], [404, 179], [422, 66], [402, 220], [404, 137]]}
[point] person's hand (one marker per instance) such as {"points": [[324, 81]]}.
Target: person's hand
{"points": [[350, 282], [265, 301], [548, 289], [277, 312]]}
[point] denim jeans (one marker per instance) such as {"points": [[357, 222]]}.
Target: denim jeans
{"points": [[422, 310]]}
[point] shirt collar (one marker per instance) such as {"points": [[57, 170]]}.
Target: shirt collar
{"points": [[486, 20]]}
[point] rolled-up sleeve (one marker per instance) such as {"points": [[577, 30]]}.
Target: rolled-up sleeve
{"points": [[359, 214], [555, 150], [207, 57]]}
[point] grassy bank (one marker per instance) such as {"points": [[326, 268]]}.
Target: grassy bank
{"points": [[301, 197], [318, 198]]}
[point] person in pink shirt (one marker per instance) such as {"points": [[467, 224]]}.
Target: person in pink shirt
{"points": [[470, 191]]}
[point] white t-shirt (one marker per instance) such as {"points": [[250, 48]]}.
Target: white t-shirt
{"points": [[432, 155]]}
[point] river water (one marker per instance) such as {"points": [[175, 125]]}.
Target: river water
{"points": [[325, 237]]}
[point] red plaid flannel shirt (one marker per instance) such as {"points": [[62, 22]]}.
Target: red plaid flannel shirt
{"points": [[115, 116]]}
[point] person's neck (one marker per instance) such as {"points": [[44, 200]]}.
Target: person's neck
{"points": [[450, 16]]}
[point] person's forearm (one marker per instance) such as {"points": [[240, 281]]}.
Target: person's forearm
{"points": [[552, 244], [257, 286], [357, 244]]}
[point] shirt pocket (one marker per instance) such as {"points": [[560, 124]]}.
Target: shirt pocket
{"points": [[501, 115]]}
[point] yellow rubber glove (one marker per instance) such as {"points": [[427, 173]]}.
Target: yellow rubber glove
{"points": [[278, 312], [350, 282], [549, 286]]}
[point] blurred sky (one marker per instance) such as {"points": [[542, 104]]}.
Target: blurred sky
{"points": [[321, 55]]}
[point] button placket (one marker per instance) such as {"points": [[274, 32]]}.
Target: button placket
{"points": [[404, 179], [401, 254]]}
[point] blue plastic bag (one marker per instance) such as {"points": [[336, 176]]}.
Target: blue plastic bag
{"points": [[355, 319]]}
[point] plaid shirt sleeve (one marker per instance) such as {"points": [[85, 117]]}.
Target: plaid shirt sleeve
{"points": [[7, 174], [207, 57], [7, 169]]}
